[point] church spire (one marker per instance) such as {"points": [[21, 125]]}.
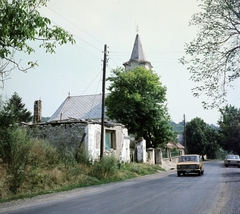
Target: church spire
{"points": [[137, 58], [137, 52]]}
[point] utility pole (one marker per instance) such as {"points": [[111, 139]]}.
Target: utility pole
{"points": [[103, 100], [184, 137]]}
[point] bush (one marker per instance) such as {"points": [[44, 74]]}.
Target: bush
{"points": [[82, 156], [18, 146], [67, 157], [42, 153], [105, 167]]}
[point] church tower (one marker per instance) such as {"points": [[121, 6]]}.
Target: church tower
{"points": [[137, 58]]}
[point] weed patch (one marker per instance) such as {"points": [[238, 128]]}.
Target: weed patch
{"points": [[38, 168]]}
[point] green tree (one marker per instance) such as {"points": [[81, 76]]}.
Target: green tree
{"points": [[17, 109], [12, 113], [229, 124], [213, 56], [201, 138], [21, 23], [137, 99], [213, 145]]}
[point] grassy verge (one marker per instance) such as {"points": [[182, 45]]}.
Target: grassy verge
{"points": [[49, 180], [42, 169]]}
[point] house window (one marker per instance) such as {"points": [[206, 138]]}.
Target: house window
{"points": [[110, 139]]}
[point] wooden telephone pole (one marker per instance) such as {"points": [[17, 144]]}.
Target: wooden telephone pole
{"points": [[103, 100], [184, 137]]}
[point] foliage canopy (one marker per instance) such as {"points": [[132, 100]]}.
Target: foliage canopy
{"points": [[17, 109], [229, 124], [200, 138], [12, 112], [21, 23], [213, 56], [137, 99]]}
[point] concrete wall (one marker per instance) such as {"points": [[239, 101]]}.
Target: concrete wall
{"points": [[141, 151], [151, 155], [125, 154]]}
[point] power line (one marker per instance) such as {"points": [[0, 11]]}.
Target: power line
{"points": [[89, 53], [92, 82], [75, 25]]}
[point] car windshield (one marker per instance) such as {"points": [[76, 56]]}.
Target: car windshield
{"points": [[232, 157], [188, 158]]}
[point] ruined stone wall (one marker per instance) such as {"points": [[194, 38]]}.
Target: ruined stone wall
{"points": [[69, 136], [62, 135]]}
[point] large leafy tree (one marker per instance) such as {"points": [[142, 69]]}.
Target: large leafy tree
{"points": [[21, 23], [213, 56], [229, 124], [201, 138], [137, 99], [213, 145]]}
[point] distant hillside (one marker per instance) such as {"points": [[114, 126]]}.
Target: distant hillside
{"points": [[45, 119], [178, 127]]}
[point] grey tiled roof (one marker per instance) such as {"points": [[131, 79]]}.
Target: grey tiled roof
{"points": [[85, 107]]}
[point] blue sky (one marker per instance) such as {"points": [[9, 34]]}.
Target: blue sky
{"points": [[163, 27]]}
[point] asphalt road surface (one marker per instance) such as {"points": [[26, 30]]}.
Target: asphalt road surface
{"points": [[215, 192]]}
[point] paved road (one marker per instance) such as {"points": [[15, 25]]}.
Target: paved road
{"points": [[159, 193]]}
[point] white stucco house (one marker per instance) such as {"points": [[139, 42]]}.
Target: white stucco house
{"points": [[77, 122]]}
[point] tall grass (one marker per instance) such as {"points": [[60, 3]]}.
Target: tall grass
{"points": [[19, 146], [105, 167], [36, 167]]}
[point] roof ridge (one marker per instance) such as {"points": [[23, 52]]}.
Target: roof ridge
{"points": [[87, 95]]}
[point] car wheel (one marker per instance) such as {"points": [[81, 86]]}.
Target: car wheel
{"points": [[178, 174], [199, 173], [226, 165], [202, 172]]}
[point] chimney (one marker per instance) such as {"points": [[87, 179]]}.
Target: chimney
{"points": [[37, 117]]}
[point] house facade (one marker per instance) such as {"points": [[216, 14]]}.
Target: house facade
{"points": [[77, 122], [76, 134]]}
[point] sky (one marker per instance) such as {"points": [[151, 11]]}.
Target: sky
{"points": [[163, 27]]}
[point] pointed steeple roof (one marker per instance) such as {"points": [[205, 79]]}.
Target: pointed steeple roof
{"points": [[137, 52], [138, 57]]}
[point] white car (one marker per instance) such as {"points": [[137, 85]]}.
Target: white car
{"points": [[232, 160]]}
